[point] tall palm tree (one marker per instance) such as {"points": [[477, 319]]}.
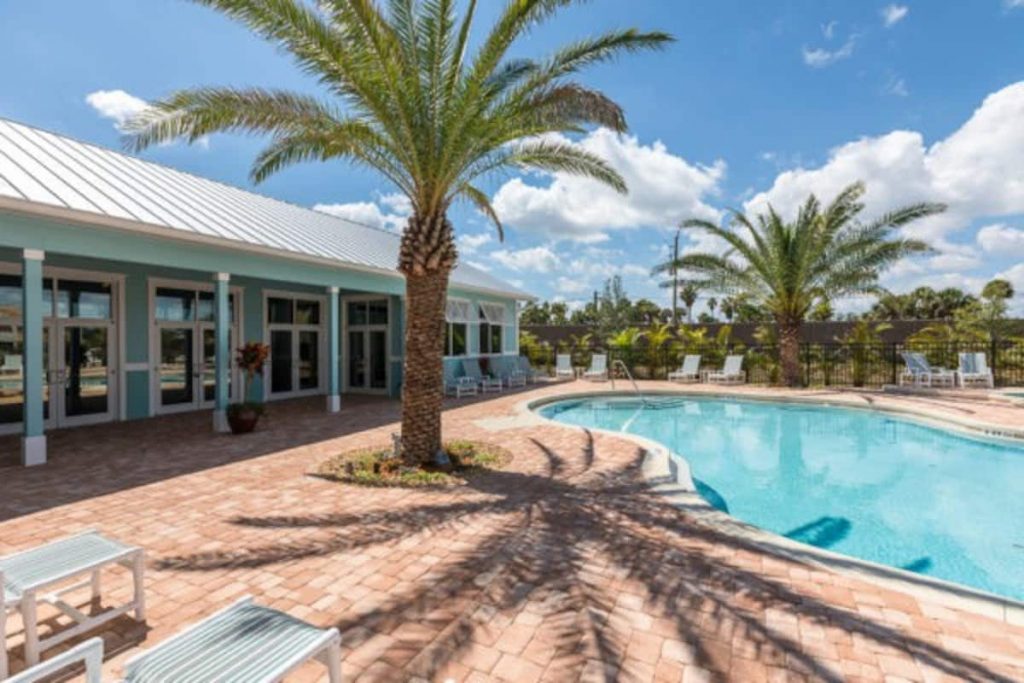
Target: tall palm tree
{"points": [[788, 267], [408, 97]]}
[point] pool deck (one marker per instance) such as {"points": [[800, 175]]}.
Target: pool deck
{"points": [[567, 566]]}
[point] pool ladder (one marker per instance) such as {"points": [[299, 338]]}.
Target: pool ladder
{"points": [[636, 388]]}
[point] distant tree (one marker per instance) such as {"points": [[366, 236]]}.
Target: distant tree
{"points": [[787, 267], [706, 318], [536, 314], [712, 305], [559, 313], [646, 312], [822, 311]]}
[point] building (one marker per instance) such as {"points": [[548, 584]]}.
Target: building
{"points": [[125, 287]]}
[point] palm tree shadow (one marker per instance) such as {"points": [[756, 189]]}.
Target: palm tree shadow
{"points": [[564, 550]]}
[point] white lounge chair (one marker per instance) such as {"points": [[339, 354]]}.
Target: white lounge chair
{"points": [[24, 577], [12, 364], [531, 373], [471, 369], [242, 642], [920, 372], [507, 370], [689, 371], [598, 371], [974, 371], [89, 653], [458, 386], [731, 373], [563, 366]]}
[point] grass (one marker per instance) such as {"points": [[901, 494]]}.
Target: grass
{"points": [[378, 467]]}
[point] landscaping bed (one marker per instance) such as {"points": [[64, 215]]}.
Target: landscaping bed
{"points": [[379, 466]]}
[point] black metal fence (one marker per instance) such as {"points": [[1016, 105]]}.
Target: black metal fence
{"points": [[828, 364]]}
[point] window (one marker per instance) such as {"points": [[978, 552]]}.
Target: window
{"points": [[492, 328], [295, 344], [458, 316], [174, 305]]}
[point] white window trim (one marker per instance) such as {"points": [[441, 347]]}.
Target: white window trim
{"points": [[321, 328], [505, 326], [238, 328]]}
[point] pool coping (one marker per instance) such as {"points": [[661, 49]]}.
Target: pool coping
{"points": [[668, 474]]}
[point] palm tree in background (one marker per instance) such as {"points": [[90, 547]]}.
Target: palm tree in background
{"points": [[788, 267], [407, 97]]}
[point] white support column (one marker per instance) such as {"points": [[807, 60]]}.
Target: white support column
{"points": [[333, 351], [222, 358], [33, 442]]}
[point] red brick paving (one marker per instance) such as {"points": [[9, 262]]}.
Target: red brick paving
{"points": [[565, 567]]}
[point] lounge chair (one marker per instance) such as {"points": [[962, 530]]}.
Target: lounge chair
{"points": [[563, 366], [471, 369], [458, 386], [12, 364], [731, 373], [506, 368], [242, 642], [974, 371], [25, 575], [689, 371], [532, 374], [921, 373], [89, 653], [598, 371]]}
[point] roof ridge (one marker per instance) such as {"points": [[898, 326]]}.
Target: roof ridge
{"points": [[196, 176]]}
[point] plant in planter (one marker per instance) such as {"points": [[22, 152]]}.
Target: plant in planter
{"points": [[243, 416]]}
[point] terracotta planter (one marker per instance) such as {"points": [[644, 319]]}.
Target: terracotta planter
{"points": [[243, 421]]}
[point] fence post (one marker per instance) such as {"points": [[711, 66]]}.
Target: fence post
{"points": [[995, 362], [807, 364], [892, 354]]}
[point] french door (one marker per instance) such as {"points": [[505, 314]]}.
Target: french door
{"points": [[296, 334], [185, 347], [80, 376], [366, 345]]}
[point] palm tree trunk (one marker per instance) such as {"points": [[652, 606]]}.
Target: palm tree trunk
{"points": [[789, 352], [426, 258]]}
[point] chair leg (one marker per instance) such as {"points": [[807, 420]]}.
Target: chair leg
{"points": [[3, 633], [96, 585], [331, 658], [138, 578], [28, 618]]}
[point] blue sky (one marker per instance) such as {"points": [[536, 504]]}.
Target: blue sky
{"points": [[757, 102]]}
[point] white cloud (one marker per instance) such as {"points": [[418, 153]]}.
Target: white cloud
{"points": [[469, 244], [896, 86], [535, 259], [370, 213], [116, 105], [568, 285], [486, 267], [829, 29], [1001, 239], [1011, 4], [976, 170], [819, 57], [120, 106], [663, 189], [953, 262], [894, 14]]}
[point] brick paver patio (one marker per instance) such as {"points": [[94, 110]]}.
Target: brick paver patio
{"points": [[565, 567]]}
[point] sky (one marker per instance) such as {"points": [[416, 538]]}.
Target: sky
{"points": [[756, 103]]}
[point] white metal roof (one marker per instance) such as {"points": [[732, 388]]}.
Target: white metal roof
{"points": [[44, 169]]}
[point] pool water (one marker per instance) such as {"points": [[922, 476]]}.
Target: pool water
{"points": [[852, 481]]}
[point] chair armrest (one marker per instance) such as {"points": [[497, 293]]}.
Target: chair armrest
{"points": [[90, 653]]}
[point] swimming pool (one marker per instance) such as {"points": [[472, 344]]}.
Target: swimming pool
{"points": [[856, 482]]}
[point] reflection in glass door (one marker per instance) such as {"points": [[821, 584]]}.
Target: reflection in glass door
{"points": [[357, 359], [378, 359], [177, 366], [86, 373]]}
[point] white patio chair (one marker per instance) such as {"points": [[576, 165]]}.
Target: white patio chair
{"points": [[731, 373], [531, 373], [689, 371], [458, 386], [12, 364], [563, 366], [89, 653], [507, 370], [598, 371], [242, 642], [974, 371], [471, 369], [25, 575], [922, 374]]}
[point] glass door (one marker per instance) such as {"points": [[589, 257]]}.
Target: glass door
{"points": [[366, 337], [177, 370], [84, 375]]}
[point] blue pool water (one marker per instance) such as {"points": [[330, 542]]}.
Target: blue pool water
{"points": [[853, 481]]}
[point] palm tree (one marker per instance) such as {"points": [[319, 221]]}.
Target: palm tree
{"points": [[824, 254], [408, 97]]}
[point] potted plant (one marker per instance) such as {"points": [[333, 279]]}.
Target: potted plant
{"points": [[243, 416]]}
